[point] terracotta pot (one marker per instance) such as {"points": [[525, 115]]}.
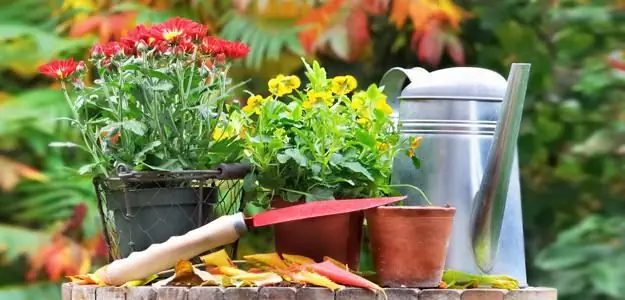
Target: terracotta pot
{"points": [[337, 236], [409, 244]]}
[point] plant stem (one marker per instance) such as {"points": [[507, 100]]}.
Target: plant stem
{"points": [[82, 130], [413, 187]]}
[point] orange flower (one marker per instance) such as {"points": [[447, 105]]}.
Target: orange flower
{"points": [[61, 69]]}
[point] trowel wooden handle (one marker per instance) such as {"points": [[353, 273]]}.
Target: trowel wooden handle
{"points": [[158, 257]]}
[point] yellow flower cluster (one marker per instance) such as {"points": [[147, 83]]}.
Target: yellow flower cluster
{"points": [[221, 133], [253, 104], [317, 97], [362, 105], [283, 85], [342, 85]]}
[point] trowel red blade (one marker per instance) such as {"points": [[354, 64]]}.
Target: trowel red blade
{"points": [[317, 209]]}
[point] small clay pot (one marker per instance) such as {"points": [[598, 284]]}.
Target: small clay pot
{"points": [[409, 244], [336, 236]]}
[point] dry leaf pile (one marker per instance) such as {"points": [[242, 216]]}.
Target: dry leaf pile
{"points": [[267, 269]]}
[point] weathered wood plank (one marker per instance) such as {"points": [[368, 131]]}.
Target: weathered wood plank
{"points": [[172, 293], [277, 293], [349, 293], [110, 293], [537, 293], [84, 292], [141, 293], [314, 293], [206, 293], [247, 293], [66, 291], [483, 294], [400, 294], [436, 294]]}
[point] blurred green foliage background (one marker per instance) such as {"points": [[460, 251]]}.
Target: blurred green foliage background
{"points": [[571, 145]]}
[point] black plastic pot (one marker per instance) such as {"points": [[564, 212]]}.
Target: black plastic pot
{"points": [[139, 209], [148, 216]]}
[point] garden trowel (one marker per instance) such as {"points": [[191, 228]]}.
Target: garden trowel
{"points": [[223, 230]]}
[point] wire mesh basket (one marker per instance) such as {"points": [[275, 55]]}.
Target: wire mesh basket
{"points": [[139, 209]]}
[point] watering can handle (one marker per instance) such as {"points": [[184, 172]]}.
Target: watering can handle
{"points": [[393, 81]]}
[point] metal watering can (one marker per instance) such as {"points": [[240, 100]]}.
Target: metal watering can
{"points": [[469, 119]]}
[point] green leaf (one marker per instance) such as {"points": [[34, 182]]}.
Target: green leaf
{"points": [[293, 197], [135, 126], [297, 156], [149, 147], [358, 168], [318, 194], [416, 162], [64, 145], [250, 182], [163, 86], [88, 168]]}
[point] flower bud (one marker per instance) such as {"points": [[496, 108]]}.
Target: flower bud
{"points": [[220, 59]]}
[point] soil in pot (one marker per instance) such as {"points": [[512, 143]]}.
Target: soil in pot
{"points": [[409, 244], [337, 236]]}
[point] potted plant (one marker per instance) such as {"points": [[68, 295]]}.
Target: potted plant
{"points": [[157, 121], [320, 141], [409, 244]]}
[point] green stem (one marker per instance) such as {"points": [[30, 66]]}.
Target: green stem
{"points": [[82, 130], [413, 187]]}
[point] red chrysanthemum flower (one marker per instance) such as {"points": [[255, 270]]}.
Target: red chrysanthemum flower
{"points": [[173, 30], [212, 45], [235, 50], [139, 34], [60, 69], [111, 49], [185, 46], [97, 51], [229, 49]]}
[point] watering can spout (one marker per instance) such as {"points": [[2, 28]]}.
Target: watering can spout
{"points": [[490, 199]]}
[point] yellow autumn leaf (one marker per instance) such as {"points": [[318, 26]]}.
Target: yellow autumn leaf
{"points": [[272, 260], [85, 279], [218, 259], [297, 259], [255, 279], [228, 271], [316, 279], [140, 282]]}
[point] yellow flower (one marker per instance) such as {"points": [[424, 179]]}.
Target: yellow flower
{"points": [[292, 82], [282, 85], [220, 133], [279, 132], [308, 104], [318, 97], [363, 121], [416, 142], [253, 104], [382, 147], [382, 106], [343, 84]]}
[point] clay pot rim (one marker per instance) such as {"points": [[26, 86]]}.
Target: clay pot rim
{"points": [[415, 208]]}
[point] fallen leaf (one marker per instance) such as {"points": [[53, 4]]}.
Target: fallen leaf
{"points": [[141, 282], [254, 279], [316, 279], [297, 259], [186, 275], [218, 259], [271, 260]]}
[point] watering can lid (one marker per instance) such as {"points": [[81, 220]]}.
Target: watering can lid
{"points": [[468, 83]]}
